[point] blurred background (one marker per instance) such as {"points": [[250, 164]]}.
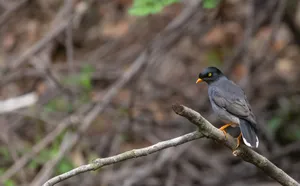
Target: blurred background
{"points": [[82, 79]]}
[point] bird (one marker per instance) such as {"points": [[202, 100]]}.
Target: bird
{"points": [[230, 104]]}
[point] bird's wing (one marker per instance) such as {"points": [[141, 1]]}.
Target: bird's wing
{"points": [[232, 101]]}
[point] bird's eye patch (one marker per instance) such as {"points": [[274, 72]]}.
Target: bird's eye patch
{"points": [[209, 74]]}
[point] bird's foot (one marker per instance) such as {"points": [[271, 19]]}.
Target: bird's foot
{"points": [[238, 141], [223, 129], [224, 132]]}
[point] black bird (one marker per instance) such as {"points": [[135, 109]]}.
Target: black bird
{"points": [[230, 103]]}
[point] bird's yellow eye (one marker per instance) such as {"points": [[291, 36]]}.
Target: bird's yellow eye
{"points": [[209, 75]]}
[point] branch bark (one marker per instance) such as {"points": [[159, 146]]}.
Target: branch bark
{"points": [[205, 129], [247, 154], [135, 153]]}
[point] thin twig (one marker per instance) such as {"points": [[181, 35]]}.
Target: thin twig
{"points": [[5, 16]]}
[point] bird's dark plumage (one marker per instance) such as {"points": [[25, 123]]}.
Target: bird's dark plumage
{"points": [[230, 103], [210, 74]]}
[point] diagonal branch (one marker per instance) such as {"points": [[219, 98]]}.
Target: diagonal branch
{"points": [[135, 153], [243, 152], [205, 129]]}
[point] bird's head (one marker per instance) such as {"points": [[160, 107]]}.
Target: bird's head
{"points": [[209, 75]]}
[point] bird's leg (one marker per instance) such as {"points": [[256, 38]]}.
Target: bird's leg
{"points": [[223, 129], [238, 140]]}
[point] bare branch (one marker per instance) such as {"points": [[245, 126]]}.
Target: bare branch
{"points": [[15, 103], [98, 163], [243, 152], [206, 129]]}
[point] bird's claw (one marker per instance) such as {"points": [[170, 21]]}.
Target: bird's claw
{"points": [[223, 129], [238, 141], [224, 132]]}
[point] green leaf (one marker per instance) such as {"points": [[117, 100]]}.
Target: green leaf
{"points": [[85, 77], [146, 7], [82, 79], [85, 81], [208, 4]]}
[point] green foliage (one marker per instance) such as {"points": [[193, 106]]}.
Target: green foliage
{"points": [[5, 156], [297, 134], [85, 77], [10, 183], [274, 123], [57, 104], [44, 156], [63, 166], [4, 153], [210, 3], [146, 7], [47, 154], [82, 80]]}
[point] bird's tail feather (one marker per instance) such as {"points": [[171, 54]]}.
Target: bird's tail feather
{"points": [[248, 133]]}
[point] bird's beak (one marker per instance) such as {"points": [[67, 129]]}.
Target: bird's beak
{"points": [[199, 80]]}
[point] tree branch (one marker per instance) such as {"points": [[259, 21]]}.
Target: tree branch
{"points": [[135, 153], [205, 129], [243, 152]]}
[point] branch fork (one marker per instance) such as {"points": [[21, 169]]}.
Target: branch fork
{"points": [[205, 129]]}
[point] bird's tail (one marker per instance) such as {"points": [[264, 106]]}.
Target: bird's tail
{"points": [[249, 133]]}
